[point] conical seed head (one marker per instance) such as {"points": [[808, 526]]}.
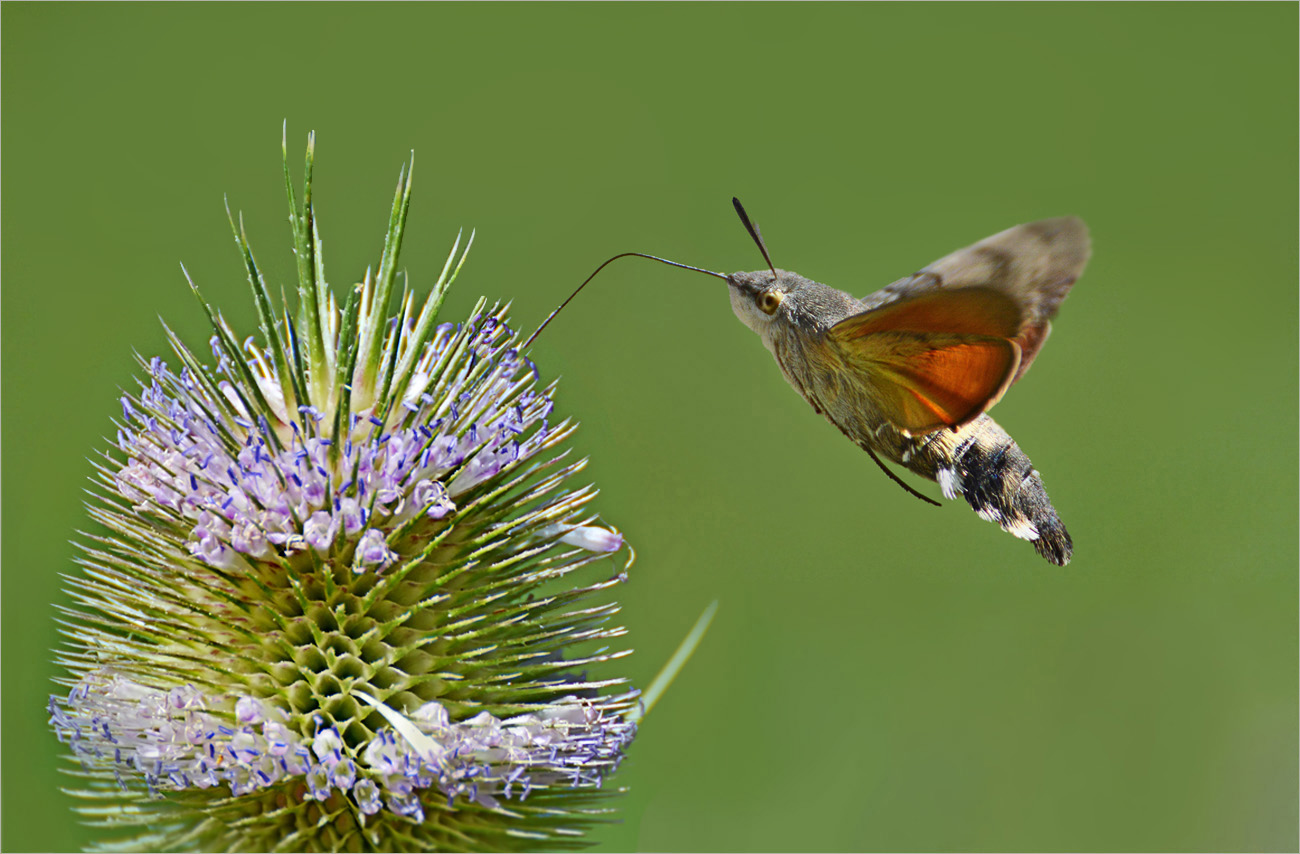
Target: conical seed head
{"points": [[313, 627]]}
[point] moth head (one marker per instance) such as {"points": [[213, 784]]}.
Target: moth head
{"points": [[758, 299]]}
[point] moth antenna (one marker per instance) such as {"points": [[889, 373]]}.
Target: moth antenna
{"points": [[754, 233], [561, 306]]}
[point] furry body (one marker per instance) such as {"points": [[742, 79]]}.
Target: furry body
{"points": [[1030, 267]]}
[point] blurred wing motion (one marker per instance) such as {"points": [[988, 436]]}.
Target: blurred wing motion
{"points": [[1032, 265], [936, 360]]}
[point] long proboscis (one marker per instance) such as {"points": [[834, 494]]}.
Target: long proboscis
{"points": [[561, 306]]}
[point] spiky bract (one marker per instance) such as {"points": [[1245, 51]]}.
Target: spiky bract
{"points": [[332, 606]]}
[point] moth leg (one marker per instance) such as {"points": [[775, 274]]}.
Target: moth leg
{"points": [[898, 480]]}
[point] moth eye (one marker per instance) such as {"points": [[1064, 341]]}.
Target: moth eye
{"points": [[768, 301]]}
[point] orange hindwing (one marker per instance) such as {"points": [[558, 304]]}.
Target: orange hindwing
{"points": [[938, 360]]}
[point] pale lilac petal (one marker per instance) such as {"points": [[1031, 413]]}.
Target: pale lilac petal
{"points": [[594, 539]]}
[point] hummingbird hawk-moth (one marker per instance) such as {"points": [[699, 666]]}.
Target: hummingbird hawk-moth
{"points": [[909, 372]]}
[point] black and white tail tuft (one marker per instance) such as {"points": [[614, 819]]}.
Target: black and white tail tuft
{"points": [[1001, 485]]}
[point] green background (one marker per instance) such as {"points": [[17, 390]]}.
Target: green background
{"points": [[881, 674]]}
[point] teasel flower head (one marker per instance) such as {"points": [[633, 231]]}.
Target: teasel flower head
{"points": [[343, 596]]}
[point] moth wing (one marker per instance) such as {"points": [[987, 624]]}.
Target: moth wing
{"points": [[937, 360], [1034, 265], [969, 311]]}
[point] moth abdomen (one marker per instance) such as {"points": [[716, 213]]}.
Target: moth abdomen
{"points": [[998, 481]]}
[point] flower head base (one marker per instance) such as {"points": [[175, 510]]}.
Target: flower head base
{"points": [[333, 608]]}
